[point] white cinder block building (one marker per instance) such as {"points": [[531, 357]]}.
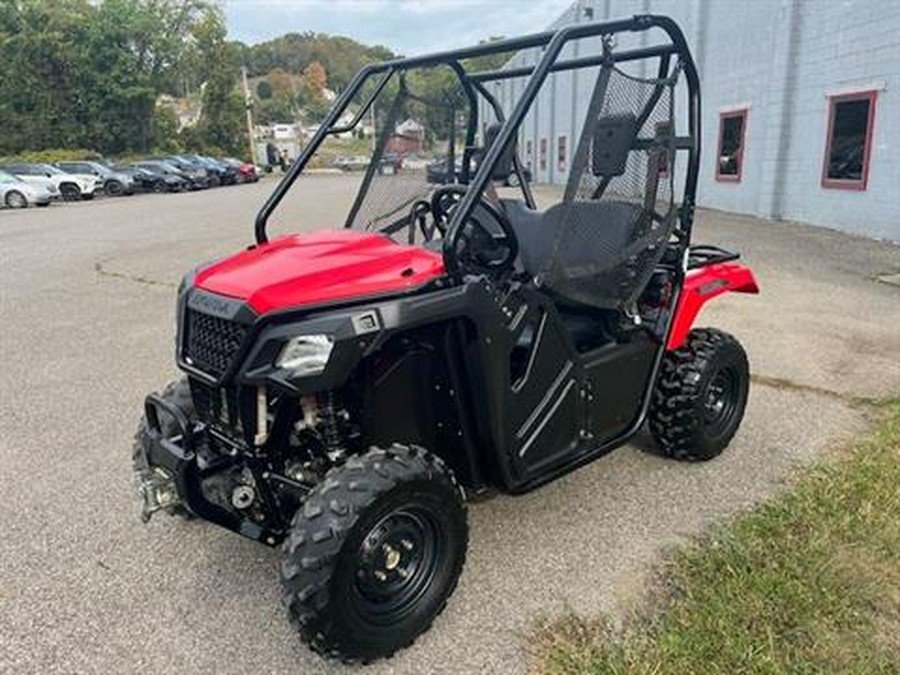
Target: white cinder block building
{"points": [[801, 106]]}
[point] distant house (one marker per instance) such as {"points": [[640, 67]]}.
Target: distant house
{"points": [[284, 132], [187, 110], [410, 128], [409, 136]]}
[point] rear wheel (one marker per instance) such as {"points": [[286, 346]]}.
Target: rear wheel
{"points": [[69, 192], [16, 200], [374, 553], [700, 396]]}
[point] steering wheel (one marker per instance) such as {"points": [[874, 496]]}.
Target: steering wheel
{"points": [[480, 241], [418, 215]]}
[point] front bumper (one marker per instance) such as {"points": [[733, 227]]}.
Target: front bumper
{"points": [[169, 471]]}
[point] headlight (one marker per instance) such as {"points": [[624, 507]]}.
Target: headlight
{"points": [[306, 354]]}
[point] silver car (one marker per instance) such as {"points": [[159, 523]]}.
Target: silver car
{"points": [[114, 182], [15, 193]]}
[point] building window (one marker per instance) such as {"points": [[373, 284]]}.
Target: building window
{"points": [[730, 158], [529, 154], [849, 142], [561, 155], [543, 157]]}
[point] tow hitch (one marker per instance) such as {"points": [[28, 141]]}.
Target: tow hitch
{"points": [[157, 491], [155, 477]]}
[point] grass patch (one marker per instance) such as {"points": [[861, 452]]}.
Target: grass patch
{"points": [[806, 583]]}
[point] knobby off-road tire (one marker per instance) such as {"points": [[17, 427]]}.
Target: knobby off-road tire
{"points": [[700, 395], [374, 553], [177, 392]]}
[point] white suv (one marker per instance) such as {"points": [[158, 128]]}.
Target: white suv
{"points": [[71, 186]]}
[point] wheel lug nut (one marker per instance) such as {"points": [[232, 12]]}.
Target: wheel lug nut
{"points": [[407, 544], [402, 573], [381, 576]]}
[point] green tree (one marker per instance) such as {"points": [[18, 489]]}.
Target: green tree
{"points": [[264, 90], [221, 124], [87, 73]]}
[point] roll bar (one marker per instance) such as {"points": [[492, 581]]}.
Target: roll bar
{"points": [[553, 43]]}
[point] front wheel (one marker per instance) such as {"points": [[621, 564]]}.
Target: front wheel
{"points": [[374, 553], [69, 192], [700, 395], [16, 200], [114, 188]]}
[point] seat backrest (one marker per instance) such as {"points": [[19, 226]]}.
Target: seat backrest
{"points": [[596, 233]]}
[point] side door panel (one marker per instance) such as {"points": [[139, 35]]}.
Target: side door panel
{"points": [[544, 411]]}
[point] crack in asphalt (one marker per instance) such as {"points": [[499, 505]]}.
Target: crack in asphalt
{"points": [[785, 384], [99, 268]]}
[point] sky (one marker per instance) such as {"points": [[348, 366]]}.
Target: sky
{"points": [[406, 26]]}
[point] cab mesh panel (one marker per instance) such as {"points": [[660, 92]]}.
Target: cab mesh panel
{"points": [[413, 135], [611, 230]]}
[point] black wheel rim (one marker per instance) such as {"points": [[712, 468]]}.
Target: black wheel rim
{"points": [[113, 187], [396, 564], [721, 400]]}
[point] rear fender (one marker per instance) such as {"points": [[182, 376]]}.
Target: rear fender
{"points": [[702, 285]]}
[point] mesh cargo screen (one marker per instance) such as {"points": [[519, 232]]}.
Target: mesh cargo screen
{"points": [[618, 212]]}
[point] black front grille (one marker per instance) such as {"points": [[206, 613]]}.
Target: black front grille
{"points": [[212, 343]]}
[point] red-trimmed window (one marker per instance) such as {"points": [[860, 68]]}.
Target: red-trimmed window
{"points": [[848, 146], [730, 158], [561, 153]]}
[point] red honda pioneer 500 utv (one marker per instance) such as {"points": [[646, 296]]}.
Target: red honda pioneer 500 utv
{"points": [[346, 390]]}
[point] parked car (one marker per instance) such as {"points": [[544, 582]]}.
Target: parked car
{"points": [[15, 193], [114, 183], [154, 181], [247, 173], [226, 175], [196, 170], [197, 179], [71, 186], [352, 163], [438, 172]]}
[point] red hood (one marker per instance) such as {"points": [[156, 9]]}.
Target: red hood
{"points": [[321, 267]]}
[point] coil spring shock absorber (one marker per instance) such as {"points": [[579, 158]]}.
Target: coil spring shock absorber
{"points": [[330, 432]]}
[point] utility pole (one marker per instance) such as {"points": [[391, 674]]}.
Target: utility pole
{"points": [[248, 106]]}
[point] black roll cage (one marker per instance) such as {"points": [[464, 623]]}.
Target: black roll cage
{"points": [[552, 43]]}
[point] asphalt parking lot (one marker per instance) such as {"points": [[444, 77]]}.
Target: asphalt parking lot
{"points": [[87, 329]]}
